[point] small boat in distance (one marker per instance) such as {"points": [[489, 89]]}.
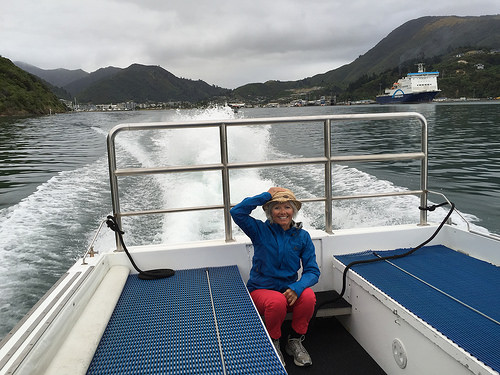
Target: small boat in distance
{"points": [[236, 106], [417, 87]]}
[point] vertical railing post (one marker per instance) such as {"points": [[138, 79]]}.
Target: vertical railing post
{"points": [[113, 181], [226, 196], [328, 177], [424, 171]]}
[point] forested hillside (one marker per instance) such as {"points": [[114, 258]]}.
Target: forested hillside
{"points": [[23, 94], [141, 83], [465, 72]]}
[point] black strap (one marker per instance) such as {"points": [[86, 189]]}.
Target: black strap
{"points": [[433, 207], [144, 275]]}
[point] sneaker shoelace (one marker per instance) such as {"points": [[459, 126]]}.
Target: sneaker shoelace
{"points": [[297, 345]]}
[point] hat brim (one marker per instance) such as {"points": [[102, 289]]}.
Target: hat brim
{"points": [[297, 203]]}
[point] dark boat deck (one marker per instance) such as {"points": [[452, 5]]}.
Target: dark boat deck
{"points": [[333, 351], [332, 348]]}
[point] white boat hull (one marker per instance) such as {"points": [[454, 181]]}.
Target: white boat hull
{"points": [[376, 320]]}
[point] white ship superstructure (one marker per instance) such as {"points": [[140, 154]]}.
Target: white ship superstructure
{"points": [[414, 88]]}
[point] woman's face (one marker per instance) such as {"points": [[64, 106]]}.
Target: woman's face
{"points": [[282, 214]]}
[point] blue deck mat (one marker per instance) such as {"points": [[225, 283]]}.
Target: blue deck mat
{"points": [[469, 280], [167, 326]]}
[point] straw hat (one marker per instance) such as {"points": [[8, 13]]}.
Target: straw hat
{"points": [[283, 196]]}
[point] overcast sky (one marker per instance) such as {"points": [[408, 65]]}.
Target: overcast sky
{"points": [[223, 42]]}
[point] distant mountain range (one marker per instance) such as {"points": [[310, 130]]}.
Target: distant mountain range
{"points": [[418, 39], [137, 83], [57, 77]]}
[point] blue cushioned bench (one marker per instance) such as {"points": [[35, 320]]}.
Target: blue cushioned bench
{"points": [[199, 321], [472, 323]]}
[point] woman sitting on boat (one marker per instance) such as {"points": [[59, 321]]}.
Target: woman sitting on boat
{"points": [[280, 246]]}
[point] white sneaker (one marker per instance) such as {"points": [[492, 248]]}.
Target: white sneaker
{"points": [[300, 355]]}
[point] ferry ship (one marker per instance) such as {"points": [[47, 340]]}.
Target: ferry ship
{"points": [[417, 87], [413, 299]]}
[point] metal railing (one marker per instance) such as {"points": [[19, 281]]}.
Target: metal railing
{"points": [[225, 166]]}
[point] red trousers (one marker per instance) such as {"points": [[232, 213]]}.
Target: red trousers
{"points": [[273, 306]]}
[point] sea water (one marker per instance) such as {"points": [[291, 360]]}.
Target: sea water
{"points": [[54, 184]]}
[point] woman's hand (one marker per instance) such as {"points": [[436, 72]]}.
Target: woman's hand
{"points": [[291, 296], [274, 190]]}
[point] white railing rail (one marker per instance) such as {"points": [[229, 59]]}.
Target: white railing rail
{"points": [[327, 159]]}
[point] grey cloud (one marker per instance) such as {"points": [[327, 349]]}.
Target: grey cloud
{"points": [[223, 42]]}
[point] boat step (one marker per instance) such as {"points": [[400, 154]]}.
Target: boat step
{"points": [[328, 309]]}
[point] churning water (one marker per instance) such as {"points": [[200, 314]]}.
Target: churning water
{"points": [[54, 183]]}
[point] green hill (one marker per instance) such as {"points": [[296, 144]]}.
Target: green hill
{"points": [[426, 39], [140, 83], [23, 94], [418, 39], [465, 72]]}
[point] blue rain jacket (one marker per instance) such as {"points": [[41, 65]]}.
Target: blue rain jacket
{"points": [[277, 253]]}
